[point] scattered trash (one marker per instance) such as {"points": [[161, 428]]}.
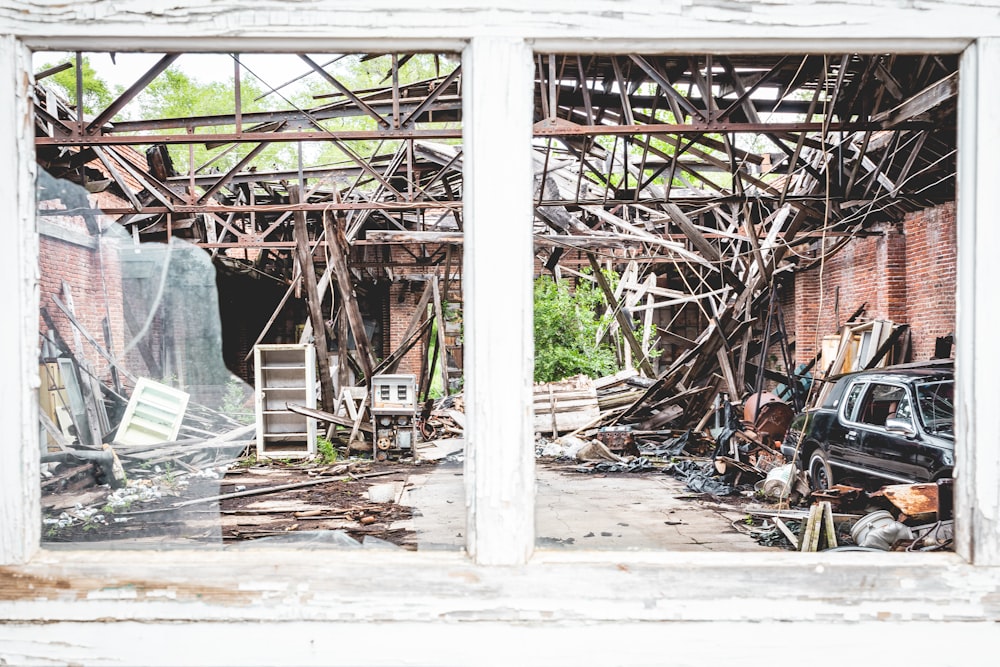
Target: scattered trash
{"points": [[879, 530], [632, 464]]}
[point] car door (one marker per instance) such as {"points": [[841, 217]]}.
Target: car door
{"points": [[843, 444], [891, 454]]}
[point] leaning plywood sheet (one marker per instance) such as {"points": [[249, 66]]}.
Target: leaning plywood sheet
{"points": [[566, 405], [154, 414]]}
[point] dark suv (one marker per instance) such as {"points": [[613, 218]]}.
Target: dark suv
{"points": [[894, 423]]}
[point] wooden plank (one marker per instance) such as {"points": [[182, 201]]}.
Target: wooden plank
{"points": [[419, 315], [565, 405], [321, 287], [930, 97], [358, 418], [621, 317], [335, 234], [727, 373], [704, 246], [831, 530], [810, 534], [90, 399], [396, 236], [618, 378], [325, 416], [343, 354], [304, 254], [647, 319], [787, 532], [541, 393], [555, 404], [53, 431], [441, 344]]}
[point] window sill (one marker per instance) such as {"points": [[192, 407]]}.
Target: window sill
{"points": [[270, 584]]}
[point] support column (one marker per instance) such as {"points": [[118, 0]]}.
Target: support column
{"points": [[500, 462], [977, 426]]}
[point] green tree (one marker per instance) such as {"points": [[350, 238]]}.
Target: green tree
{"points": [[361, 74], [97, 95], [567, 323], [174, 94]]}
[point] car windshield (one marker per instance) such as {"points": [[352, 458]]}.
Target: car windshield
{"points": [[937, 406]]}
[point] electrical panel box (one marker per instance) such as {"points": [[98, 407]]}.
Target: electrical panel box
{"points": [[394, 394], [394, 411], [284, 374]]}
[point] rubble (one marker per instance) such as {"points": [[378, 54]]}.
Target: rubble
{"points": [[734, 244]]}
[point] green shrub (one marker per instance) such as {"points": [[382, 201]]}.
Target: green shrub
{"points": [[567, 323], [327, 452]]}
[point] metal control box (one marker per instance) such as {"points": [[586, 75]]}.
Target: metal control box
{"points": [[394, 411]]}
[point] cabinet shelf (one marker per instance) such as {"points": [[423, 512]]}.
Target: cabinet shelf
{"points": [[284, 373]]}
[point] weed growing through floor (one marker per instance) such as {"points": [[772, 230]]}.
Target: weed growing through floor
{"points": [[248, 461], [235, 399], [327, 452]]}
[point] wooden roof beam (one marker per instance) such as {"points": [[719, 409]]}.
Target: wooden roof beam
{"points": [[927, 99]]}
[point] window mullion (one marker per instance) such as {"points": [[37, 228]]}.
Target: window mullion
{"points": [[499, 472], [19, 491], [977, 352]]}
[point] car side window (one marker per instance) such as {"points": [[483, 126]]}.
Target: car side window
{"points": [[851, 402], [904, 410], [880, 402]]}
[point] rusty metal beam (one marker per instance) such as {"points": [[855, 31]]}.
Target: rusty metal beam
{"points": [[249, 137], [265, 208], [264, 117], [430, 99], [541, 129], [345, 90], [221, 182], [667, 88], [562, 128], [133, 90], [52, 70]]}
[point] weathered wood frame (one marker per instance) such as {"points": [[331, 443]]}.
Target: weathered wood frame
{"points": [[556, 608]]}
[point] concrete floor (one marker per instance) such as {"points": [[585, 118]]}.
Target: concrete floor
{"points": [[583, 511]]}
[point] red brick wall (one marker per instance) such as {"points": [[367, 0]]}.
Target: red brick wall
{"points": [[904, 273], [404, 294], [81, 267], [930, 260]]}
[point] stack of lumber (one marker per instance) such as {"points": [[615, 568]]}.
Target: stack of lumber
{"points": [[566, 405]]}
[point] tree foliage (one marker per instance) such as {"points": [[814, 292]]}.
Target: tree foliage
{"points": [[97, 95], [361, 73], [567, 324], [175, 94]]}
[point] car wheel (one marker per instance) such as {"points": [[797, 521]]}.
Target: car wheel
{"points": [[820, 475]]}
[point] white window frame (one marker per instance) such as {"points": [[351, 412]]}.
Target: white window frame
{"points": [[500, 604]]}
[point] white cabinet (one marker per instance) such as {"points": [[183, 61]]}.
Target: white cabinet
{"points": [[284, 374]]}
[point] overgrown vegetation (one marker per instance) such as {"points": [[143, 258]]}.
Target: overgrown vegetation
{"points": [[327, 452], [567, 326], [236, 401]]}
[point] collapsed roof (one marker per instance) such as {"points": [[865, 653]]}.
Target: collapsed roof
{"points": [[710, 166]]}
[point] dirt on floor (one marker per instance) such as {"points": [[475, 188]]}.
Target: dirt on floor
{"points": [[239, 504]]}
